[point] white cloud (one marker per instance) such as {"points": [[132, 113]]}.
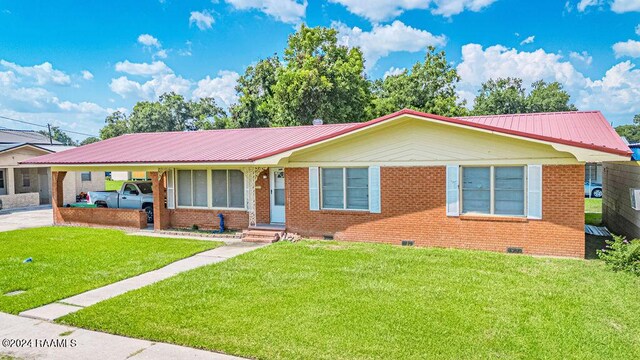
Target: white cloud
{"points": [[480, 64], [582, 57], [629, 48], [622, 6], [453, 7], [42, 74], [7, 78], [202, 19], [87, 75], [584, 4], [385, 39], [393, 71], [82, 107], [162, 54], [143, 69], [381, 10], [221, 88], [528, 40], [617, 93], [148, 40], [287, 11], [152, 89]]}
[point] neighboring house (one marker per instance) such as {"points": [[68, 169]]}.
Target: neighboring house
{"points": [[620, 213], [502, 183], [129, 175], [23, 185]]}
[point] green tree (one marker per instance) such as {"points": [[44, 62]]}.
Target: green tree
{"points": [[508, 96], [430, 87], [255, 107], [59, 135], [501, 96], [632, 131], [320, 79], [545, 97], [89, 140], [116, 124], [170, 113]]}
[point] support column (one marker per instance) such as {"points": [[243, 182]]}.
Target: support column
{"points": [[10, 181], [250, 176], [160, 212], [57, 195]]}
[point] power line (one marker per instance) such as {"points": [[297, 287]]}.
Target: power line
{"points": [[45, 126]]}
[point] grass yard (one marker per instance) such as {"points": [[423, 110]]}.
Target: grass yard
{"points": [[113, 184], [69, 260], [592, 211], [333, 300]]}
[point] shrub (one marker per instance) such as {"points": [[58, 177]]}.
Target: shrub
{"points": [[622, 255], [194, 227]]}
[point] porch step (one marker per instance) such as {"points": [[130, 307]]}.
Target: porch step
{"points": [[261, 235]]}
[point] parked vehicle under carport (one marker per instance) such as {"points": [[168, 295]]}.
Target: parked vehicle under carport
{"points": [[592, 189], [132, 195]]}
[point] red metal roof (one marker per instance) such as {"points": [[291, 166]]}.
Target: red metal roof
{"points": [[586, 129]]}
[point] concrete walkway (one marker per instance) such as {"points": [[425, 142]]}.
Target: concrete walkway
{"points": [[80, 344], [75, 303], [23, 218]]}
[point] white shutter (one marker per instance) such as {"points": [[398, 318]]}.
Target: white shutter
{"points": [[374, 189], [314, 190], [534, 191], [453, 201], [171, 197]]}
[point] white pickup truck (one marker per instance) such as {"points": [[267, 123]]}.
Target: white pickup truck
{"points": [[132, 195]]}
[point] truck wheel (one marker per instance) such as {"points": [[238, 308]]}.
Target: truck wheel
{"points": [[101, 205], [149, 210], [596, 193]]}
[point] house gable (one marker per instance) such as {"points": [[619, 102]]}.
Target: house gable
{"points": [[13, 156], [411, 141]]}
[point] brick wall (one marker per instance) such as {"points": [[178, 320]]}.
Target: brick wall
{"points": [[129, 218], [617, 213], [263, 198], [413, 208], [208, 219]]}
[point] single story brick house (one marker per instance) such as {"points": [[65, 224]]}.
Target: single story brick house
{"points": [[500, 183]]}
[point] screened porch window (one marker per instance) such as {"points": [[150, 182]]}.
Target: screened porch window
{"points": [[345, 188], [227, 187], [497, 190], [192, 188]]}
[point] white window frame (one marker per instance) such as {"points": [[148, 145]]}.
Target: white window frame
{"points": [[176, 185], [344, 188], [492, 190]]}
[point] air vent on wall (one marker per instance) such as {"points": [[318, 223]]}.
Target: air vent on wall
{"points": [[514, 250], [407, 242]]}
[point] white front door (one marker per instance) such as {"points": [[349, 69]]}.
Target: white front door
{"points": [[276, 178]]}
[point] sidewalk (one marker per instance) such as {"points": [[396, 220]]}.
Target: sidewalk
{"points": [[75, 303], [79, 344]]}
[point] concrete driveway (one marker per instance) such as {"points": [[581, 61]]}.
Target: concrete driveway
{"points": [[14, 219]]}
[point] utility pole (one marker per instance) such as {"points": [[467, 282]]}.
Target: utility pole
{"points": [[50, 137]]}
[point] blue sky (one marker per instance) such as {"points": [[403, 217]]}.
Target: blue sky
{"points": [[71, 63]]}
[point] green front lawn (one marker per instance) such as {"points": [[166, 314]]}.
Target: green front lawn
{"points": [[113, 184], [333, 300], [68, 261]]}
